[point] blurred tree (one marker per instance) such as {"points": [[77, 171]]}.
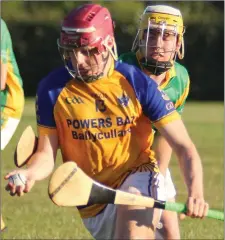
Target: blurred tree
{"points": [[35, 26]]}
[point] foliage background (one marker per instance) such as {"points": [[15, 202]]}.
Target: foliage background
{"points": [[35, 27]]}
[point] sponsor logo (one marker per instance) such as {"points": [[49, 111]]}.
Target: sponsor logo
{"points": [[124, 100], [74, 100], [169, 106], [164, 18]]}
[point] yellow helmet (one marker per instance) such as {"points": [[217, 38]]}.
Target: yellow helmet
{"points": [[161, 17], [160, 13]]}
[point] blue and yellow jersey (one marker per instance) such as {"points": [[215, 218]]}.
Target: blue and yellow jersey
{"points": [[176, 84], [12, 97], [104, 126]]}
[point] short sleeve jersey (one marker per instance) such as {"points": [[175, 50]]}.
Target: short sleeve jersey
{"points": [[104, 126]]}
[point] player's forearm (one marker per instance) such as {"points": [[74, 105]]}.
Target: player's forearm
{"points": [[3, 76], [192, 168], [41, 165], [163, 152], [163, 160]]}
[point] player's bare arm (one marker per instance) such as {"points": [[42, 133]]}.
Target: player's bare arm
{"points": [[3, 75], [190, 163], [41, 166], [163, 152]]}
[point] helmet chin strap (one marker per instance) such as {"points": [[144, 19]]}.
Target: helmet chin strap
{"points": [[156, 67], [89, 79]]}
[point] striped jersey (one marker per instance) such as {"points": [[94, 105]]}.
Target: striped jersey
{"points": [[104, 126], [12, 97]]}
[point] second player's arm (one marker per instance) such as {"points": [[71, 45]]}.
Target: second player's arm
{"points": [[163, 152], [190, 162]]}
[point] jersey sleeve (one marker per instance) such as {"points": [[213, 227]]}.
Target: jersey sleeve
{"points": [[156, 105], [44, 110], [48, 91], [6, 42], [183, 98]]}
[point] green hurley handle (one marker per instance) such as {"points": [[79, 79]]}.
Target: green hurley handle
{"points": [[181, 208]]}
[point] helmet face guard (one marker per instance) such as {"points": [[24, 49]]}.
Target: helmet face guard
{"points": [[158, 47], [158, 40], [84, 63]]}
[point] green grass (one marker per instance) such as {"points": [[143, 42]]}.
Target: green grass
{"points": [[35, 217]]}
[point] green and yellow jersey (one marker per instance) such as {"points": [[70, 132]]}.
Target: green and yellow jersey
{"points": [[12, 97], [176, 84]]}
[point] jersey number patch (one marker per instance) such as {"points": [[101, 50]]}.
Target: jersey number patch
{"points": [[100, 105]]}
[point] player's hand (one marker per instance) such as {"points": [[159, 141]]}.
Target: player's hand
{"points": [[197, 207], [19, 182]]}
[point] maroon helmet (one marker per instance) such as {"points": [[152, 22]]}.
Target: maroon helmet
{"points": [[85, 27]]}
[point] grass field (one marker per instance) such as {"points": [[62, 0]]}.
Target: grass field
{"points": [[35, 217]]}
